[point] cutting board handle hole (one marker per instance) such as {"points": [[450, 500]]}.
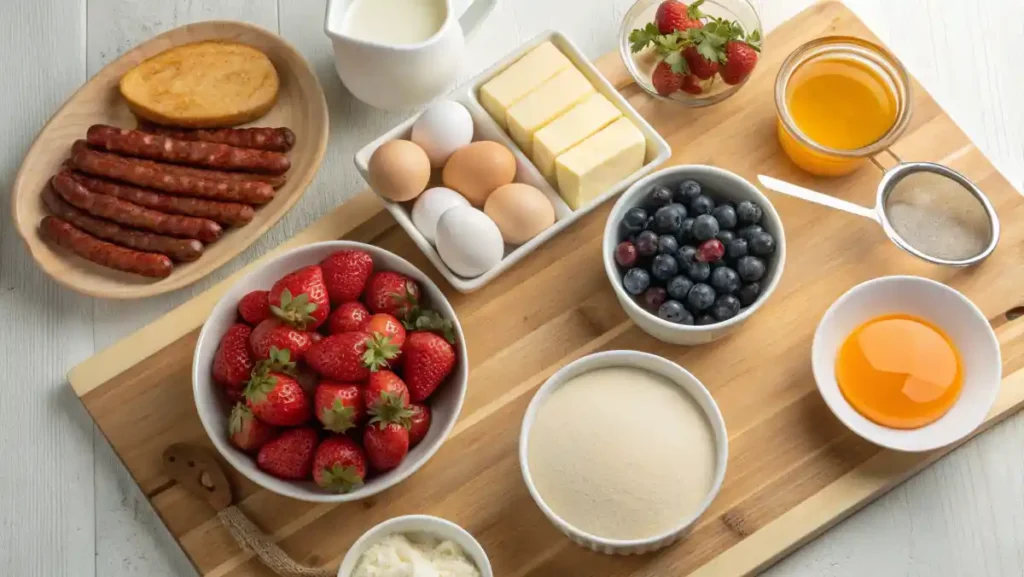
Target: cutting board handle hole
{"points": [[1015, 313]]}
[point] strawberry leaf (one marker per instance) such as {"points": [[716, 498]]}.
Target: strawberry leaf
{"points": [[640, 38], [379, 350], [677, 63], [390, 409], [339, 417], [694, 10], [340, 479], [294, 311]]}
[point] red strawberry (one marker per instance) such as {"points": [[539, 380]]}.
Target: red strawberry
{"points": [[272, 333], [234, 395], [290, 455], [387, 326], [233, 361], [665, 81], [392, 293], [347, 318], [740, 61], [247, 432], [691, 85], [385, 387], [673, 15], [386, 445], [339, 406], [339, 464], [699, 66], [300, 298], [349, 357], [254, 308], [346, 273], [419, 423], [276, 398], [429, 359]]}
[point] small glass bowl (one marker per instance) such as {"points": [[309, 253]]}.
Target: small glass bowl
{"points": [[641, 65], [821, 160]]}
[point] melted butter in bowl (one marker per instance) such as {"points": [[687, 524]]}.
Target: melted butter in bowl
{"points": [[621, 457]]}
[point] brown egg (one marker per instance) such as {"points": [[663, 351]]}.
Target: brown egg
{"points": [[399, 170], [478, 168], [520, 211]]}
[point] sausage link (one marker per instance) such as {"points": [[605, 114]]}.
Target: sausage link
{"points": [[280, 139], [131, 214], [203, 154], [274, 180], [229, 213], [179, 249], [133, 171], [103, 253]]}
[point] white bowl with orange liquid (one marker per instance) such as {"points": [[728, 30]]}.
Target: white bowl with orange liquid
{"points": [[840, 100], [907, 363]]}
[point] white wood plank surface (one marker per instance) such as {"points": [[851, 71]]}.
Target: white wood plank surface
{"points": [[68, 507]]}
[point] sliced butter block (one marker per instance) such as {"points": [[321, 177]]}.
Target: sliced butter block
{"points": [[521, 78], [570, 129], [590, 167], [545, 104]]}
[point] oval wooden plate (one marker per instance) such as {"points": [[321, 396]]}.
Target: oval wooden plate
{"points": [[301, 106]]}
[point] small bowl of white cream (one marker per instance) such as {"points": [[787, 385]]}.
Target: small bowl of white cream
{"points": [[414, 546], [623, 451]]}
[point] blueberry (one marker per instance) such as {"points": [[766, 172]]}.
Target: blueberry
{"points": [[748, 293], [664, 267], [698, 271], [725, 280], [649, 225], [726, 236], [748, 213], [725, 214], [686, 230], [706, 320], [679, 286], [653, 297], [634, 219], [659, 197], [687, 255], [702, 205], [646, 243], [750, 268], [687, 191], [700, 297], [667, 244], [636, 281], [746, 231], [761, 243], [674, 312], [736, 248], [669, 219], [705, 227], [725, 307]]}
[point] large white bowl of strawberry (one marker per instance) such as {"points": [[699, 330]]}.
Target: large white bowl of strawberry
{"points": [[331, 373]]}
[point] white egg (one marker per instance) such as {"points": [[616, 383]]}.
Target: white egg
{"points": [[443, 128], [431, 205], [468, 241]]}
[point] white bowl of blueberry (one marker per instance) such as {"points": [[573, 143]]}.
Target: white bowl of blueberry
{"points": [[692, 251]]}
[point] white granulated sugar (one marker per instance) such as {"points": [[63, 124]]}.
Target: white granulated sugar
{"points": [[621, 453]]}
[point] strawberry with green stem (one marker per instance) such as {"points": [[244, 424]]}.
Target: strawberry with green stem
{"points": [[274, 395], [339, 406], [350, 357], [300, 298], [339, 464]]}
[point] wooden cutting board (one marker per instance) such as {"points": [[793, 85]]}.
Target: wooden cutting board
{"points": [[794, 470]]}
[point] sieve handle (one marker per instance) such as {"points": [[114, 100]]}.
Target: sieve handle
{"points": [[816, 197]]}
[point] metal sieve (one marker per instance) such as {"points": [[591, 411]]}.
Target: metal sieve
{"points": [[927, 209]]}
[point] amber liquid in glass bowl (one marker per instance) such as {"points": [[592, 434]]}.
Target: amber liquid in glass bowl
{"points": [[839, 101]]}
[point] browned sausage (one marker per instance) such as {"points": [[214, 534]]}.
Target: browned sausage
{"points": [[229, 213], [131, 214], [274, 180], [179, 249], [104, 253], [261, 137], [134, 171], [204, 154]]}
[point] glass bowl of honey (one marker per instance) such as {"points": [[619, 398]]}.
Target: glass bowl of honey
{"points": [[840, 100]]}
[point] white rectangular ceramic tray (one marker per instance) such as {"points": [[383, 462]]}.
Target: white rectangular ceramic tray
{"points": [[658, 151]]}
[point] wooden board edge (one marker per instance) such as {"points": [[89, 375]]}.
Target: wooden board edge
{"points": [[157, 335], [845, 496]]}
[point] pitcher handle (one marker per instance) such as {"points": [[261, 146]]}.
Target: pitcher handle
{"points": [[475, 15]]}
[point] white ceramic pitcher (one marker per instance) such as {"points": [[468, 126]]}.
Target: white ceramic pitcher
{"points": [[400, 76]]}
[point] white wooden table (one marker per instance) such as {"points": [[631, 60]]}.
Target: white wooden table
{"points": [[68, 507]]}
